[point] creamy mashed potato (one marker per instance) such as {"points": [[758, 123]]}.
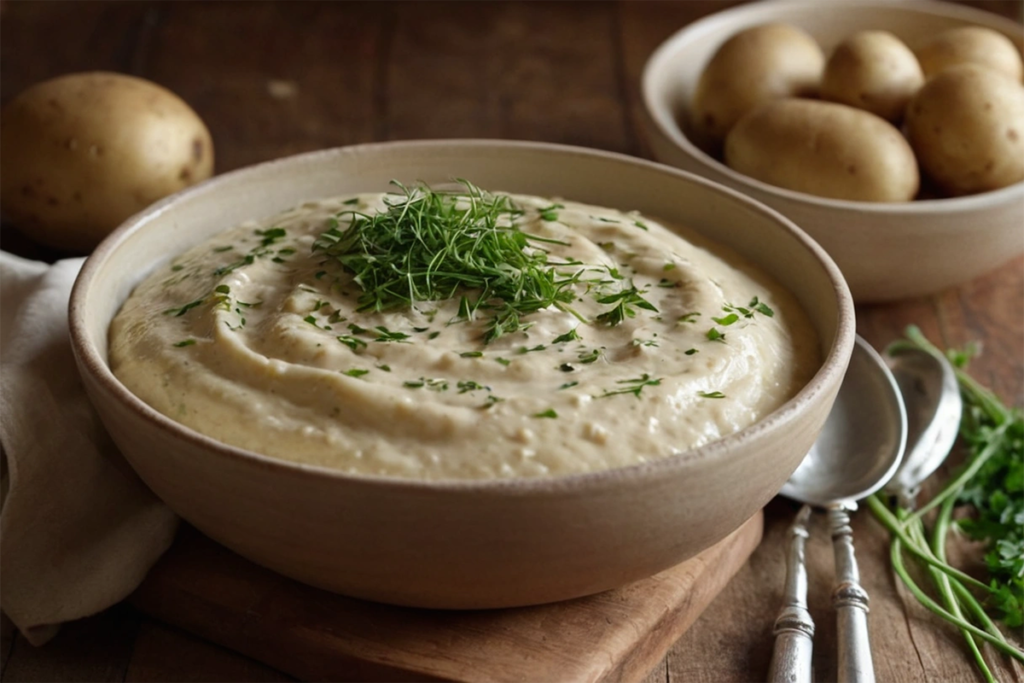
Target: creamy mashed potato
{"points": [[664, 343]]}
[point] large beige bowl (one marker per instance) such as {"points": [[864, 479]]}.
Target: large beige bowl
{"points": [[462, 545], [886, 251]]}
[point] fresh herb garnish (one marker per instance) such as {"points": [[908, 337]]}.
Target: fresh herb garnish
{"points": [[351, 342], [525, 350], [220, 250], [571, 335], [714, 335], [688, 317], [468, 385], [549, 213], [471, 354], [549, 413], [186, 342], [568, 385], [690, 352], [588, 356], [633, 386], [624, 301], [504, 361], [270, 236], [711, 394], [726, 320], [429, 245], [176, 312], [386, 335], [356, 372]]}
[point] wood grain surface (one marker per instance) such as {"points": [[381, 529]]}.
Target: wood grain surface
{"points": [[276, 78], [617, 635]]}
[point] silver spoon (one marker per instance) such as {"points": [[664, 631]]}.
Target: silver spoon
{"points": [[857, 452], [934, 407]]}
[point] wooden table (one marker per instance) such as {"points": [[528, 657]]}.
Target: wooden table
{"points": [[272, 79]]}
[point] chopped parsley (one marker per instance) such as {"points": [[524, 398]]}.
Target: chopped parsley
{"points": [[549, 413], [186, 342], [632, 386], [711, 394], [571, 335]]}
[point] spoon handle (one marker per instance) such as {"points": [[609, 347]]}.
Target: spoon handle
{"points": [[794, 628], [851, 603]]}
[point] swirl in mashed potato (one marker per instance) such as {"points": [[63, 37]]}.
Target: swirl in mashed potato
{"points": [[254, 339]]}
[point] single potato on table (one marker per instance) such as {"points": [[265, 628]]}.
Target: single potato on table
{"points": [[825, 149], [756, 65], [966, 126], [971, 45], [873, 71], [83, 152]]}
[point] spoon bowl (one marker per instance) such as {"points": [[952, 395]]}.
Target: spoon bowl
{"points": [[934, 407], [862, 443]]}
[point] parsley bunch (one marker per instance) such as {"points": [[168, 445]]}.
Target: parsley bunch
{"points": [[992, 482]]}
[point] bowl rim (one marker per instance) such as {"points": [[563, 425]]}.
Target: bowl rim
{"points": [[832, 368], [659, 114]]}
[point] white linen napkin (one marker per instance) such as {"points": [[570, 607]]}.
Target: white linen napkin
{"points": [[78, 529]]}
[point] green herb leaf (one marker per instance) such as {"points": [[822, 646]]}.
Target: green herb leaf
{"points": [[186, 342], [571, 335], [351, 342], [711, 394], [356, 372], [471, 354], [549, 413], [632, 386], [176, 312]]}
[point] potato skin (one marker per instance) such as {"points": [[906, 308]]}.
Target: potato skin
{"points": [[83, 152], [824, 149], [966, 126], [873, 71], [970, 45], [755, 65]]}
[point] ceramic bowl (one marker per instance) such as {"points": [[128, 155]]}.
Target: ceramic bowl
{"points": [[462, 544], [886, 251]]}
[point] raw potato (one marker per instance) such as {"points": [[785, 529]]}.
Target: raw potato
{"points": [[83, 152], [967, 127], [971, 45], [754, 66], [824, 149], [873, 71]]}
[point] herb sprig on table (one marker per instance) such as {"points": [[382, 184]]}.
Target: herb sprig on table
{"points": [[991, 481]]}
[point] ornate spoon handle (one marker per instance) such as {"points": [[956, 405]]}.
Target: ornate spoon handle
{"points": [[794, 628], [850, 602]]}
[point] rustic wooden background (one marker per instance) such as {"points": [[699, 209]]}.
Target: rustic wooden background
{"points": [[276, 78]]}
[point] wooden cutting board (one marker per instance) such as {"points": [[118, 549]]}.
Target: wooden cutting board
{"points": [[619, 635]]}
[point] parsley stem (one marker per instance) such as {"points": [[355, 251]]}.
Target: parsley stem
{"points": [[896, 555], [956, 485], [898, 529]]}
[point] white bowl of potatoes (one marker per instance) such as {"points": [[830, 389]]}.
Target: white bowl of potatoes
{"points": [[893, 133]]}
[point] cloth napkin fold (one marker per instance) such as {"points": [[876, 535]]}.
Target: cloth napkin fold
{"points": [[78, 529]]}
